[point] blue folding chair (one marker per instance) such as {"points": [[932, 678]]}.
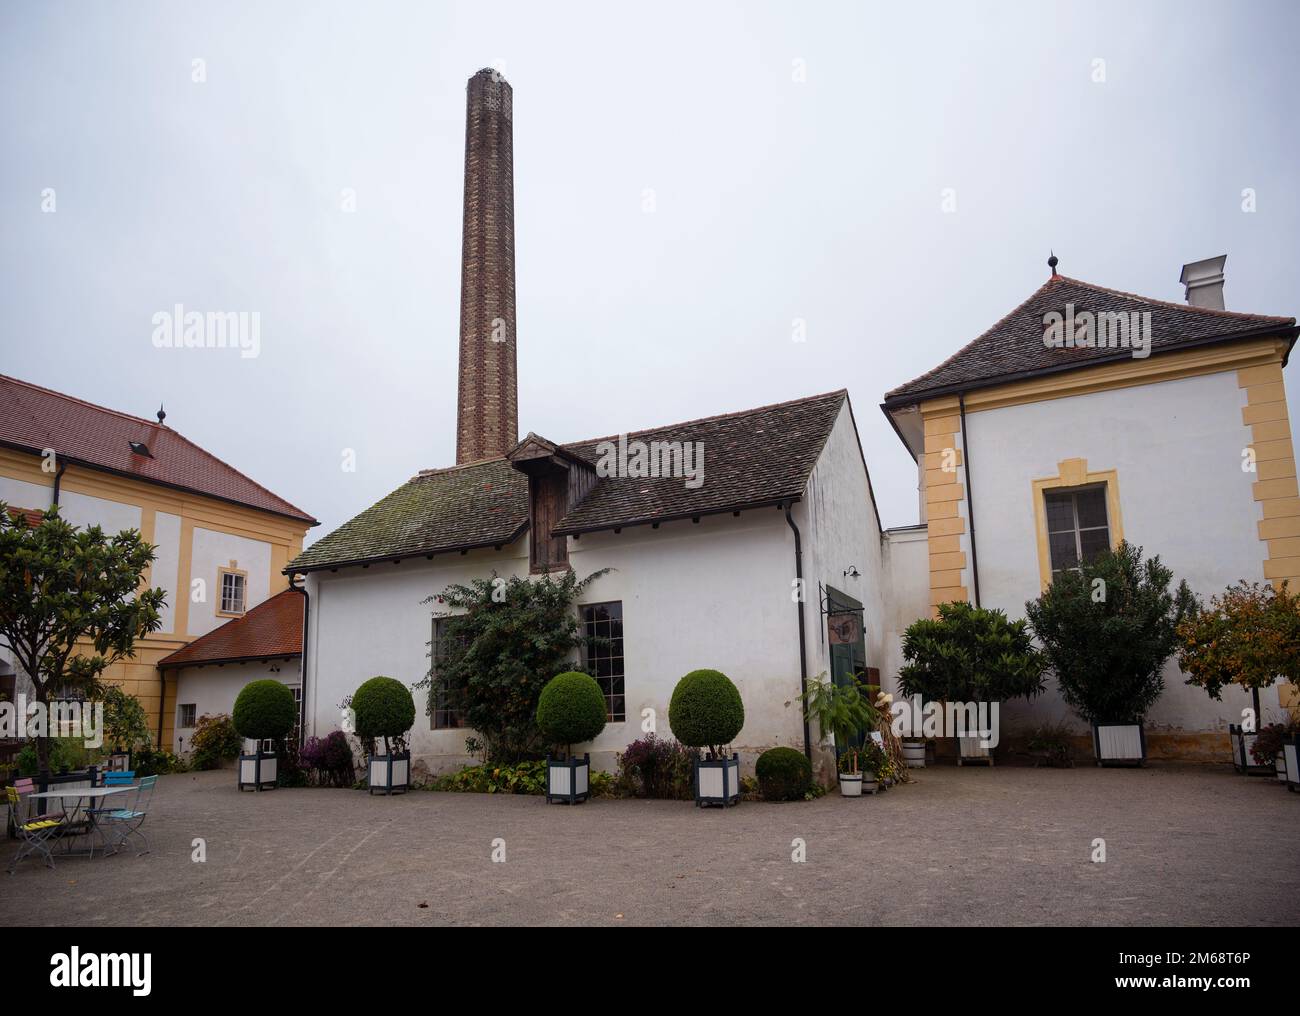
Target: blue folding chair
{"points": [[129, 820]]}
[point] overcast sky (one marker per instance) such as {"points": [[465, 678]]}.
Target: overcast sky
{"points": [[774, 199]]}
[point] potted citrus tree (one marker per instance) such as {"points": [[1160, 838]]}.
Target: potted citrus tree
{"points": [[570, 710], [974, 657], [1249, 636], [265, 710], [844, 713], [1107, 629], [706, 712], [383, 708]]}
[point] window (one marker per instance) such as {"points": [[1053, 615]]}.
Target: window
{"points": [[602, 625], [187, 716], [448, 713], [232, 591], [1077, 526], [295, 735]]}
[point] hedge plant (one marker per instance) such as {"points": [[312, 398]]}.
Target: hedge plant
{"points": [[706, 711], [383, 707], [784, 774], [571, 709], [215, 740], [264, 709]]}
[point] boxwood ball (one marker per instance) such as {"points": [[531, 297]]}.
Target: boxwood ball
{"points": [[571, 708], [264, 709], [383, 707], [705, 710]]}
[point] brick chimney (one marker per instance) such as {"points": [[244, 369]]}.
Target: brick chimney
{"points": [[487, 412]]}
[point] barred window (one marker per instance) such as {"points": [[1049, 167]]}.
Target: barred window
{"points": [[448, 709], [1077, 526], [187, 715], [603, 628]]}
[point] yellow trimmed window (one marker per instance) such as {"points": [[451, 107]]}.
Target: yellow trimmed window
{"points": [[233, 584], [1078, 517]]}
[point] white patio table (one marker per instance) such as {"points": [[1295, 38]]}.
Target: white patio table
{"points": [[84, 799]]}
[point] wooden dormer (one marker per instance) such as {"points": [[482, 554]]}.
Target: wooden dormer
{"points": [[557, 480]]}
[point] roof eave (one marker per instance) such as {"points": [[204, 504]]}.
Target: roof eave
{"points": [[915, 398], [605, 527], [291, 569], [96, 467], [166, 662]]}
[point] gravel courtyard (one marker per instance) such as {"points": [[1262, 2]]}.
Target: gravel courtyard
{"points": [[1193, 845]]}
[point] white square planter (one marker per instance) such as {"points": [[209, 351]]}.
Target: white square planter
{"points": [[568, 780], [257, 771], [389, 774], [1242, 760], [1119, 744], [970, 749], [717, 781], [1290, 752]]}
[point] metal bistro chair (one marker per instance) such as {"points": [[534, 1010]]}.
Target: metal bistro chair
{"points": [[34, 833], [111, 778], [129, 820]]}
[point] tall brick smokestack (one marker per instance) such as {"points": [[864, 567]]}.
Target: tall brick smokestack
{"points": [[487, 410]]}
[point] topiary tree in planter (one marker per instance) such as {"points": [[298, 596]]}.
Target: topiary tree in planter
{"points": [[1248, 636], [384, 708], [571, 709], [1107, 629], [706, 711], [970, 655], [264, 710], [784, 774]]}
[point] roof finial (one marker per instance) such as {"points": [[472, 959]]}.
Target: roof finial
{"points": [[1052, 262], [161, 415]]}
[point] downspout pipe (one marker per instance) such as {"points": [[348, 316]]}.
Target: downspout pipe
{"points": [[162, 700], [302, 660], [58, 479], [803, 638], [970, 498]]}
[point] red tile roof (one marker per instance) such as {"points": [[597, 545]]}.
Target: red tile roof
{"points": [[271, 629], [34, 516], [33, 419]]}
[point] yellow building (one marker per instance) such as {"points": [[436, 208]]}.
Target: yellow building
{"points": [[221, 540]]}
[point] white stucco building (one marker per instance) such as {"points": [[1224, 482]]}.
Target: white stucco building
{"points": [[1031, 454], [705, 576]]}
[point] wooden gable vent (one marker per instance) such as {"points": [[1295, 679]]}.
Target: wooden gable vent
{"points": [[557, 480]]}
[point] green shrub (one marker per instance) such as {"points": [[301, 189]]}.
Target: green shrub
{"points": [[571, 709], [520, 778], [125, 722], [150, 761], [65, 752], [784, 774], [265, 709], [706, 711], [384, 708], [215, 741]]}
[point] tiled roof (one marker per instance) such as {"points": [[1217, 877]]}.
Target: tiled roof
{"points": [[271, 629], [33, 516], [477, 504], [34, 418], [1014, 347], [759, 456], [756, 457]]}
